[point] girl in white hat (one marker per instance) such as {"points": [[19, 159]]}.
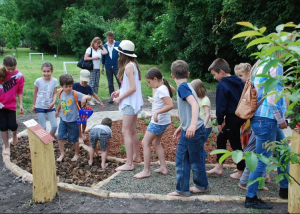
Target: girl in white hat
{"points": [[130, 101]]}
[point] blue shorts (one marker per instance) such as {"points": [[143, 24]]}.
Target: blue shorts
{"points": [[157, 129], [42, 110], [68, 130], [128, 110]]}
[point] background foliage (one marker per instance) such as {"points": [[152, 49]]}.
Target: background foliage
{"points": [[197, 31]]}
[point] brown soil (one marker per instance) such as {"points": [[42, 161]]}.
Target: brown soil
{"points": [[168, 143], [79, 172]]}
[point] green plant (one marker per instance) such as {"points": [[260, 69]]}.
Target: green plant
{"points": [[123, 149], [136, 125], [140, 136], [212, 143], [176, 123], [143, 116], [147, 121], [214, 122], [210, 135], [154, 155]]}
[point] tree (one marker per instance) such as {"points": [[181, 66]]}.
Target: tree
{"points": [[13, 35]]}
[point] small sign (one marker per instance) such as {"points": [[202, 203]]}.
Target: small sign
{"points": [[30, 123], [41, 134]]}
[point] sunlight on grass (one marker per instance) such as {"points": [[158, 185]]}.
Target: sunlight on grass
{"points": [[31, 69]]}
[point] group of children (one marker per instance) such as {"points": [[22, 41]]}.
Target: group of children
{"points": [[193, 110]]}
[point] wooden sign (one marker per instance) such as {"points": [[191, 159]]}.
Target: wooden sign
{"points": [[41, 133]]}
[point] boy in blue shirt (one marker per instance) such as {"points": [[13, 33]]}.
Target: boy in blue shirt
{"points": [[68, 128], [191, 134], [84, 88], [229, 91]]}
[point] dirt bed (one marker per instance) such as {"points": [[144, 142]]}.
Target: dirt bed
{"points": [[78, 172], [168, 142], [162, 184]]}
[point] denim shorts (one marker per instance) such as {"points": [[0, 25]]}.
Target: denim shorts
{"points": [[99, 134], [42, 110], [68, 130], [128, 110], [157, 129]]}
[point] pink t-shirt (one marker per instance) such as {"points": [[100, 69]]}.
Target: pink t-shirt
{"points": [[14, 83]]}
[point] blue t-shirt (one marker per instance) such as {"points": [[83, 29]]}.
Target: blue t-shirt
{"points": [[69, 110], [84, 90], [184, 108]]}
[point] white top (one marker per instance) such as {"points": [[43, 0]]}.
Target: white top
{"points": [[164, 118], [202, 103], [45, 92], [110, 49], [95, 53], [135, 100]]}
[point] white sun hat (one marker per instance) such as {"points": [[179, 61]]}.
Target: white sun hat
{"points": [[85, 75], [126, 47]]}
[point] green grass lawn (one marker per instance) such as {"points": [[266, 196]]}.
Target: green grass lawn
{"points": [[31, 69]]}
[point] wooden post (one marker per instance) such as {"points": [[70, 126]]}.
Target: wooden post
{"points": [[294, 188], [43, 164]]}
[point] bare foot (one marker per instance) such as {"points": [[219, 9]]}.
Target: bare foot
{"points": [[264, 189], [135, 160], [125, 167], [90, 162], [60, 159], [104, 166], [196, 190], [243, 188], [267, 179], [81, 140], [176, 194], [6, 151], [142, 174], [15, 140], [216, 170], [236, 175], [162, 171], [75, 158], [235, 170]]}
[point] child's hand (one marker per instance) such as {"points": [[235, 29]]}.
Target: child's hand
{"points": [[56, 114], [176, 134], [102, 105], [190, 132], [220, 127], [50, 106], [117, 100], [33, 109], [155, 117], [83, 102], [21, 109], [115, 94]]}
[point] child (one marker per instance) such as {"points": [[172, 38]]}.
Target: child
{"points": [[229, 90], [191, 136], [102, 133], [44, 97], [130, 101], [204, 104], [160, 120], [11, 84], [84, 88], [68, 127]]}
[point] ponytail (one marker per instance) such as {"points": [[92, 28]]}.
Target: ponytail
{"points": [[2, 74], [166, 83]]}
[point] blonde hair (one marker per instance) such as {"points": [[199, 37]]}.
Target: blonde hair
{"points": [[123, 61], [95, 40], [242, 67], [199, 88]]}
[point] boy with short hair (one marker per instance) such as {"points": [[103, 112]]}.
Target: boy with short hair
{"points": [[191, 134], [84, 88], [229, 91], [102, 133], [68, 128]]}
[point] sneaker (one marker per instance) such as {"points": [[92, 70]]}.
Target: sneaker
{"points": [[256, 203], [284, 193], [91, 103]]}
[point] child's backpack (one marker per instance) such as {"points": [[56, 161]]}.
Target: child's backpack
{"points": [[248, 101], [74, 94]]}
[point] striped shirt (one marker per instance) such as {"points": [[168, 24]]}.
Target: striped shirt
{"points": [[269, 108]]}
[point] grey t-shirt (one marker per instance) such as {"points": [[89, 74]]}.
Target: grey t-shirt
{"points": [[69, 110], [184, 108], [45, 92], [104, 128]]}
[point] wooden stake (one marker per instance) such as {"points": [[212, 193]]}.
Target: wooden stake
{"points": [[294, 188], [43, 169]]}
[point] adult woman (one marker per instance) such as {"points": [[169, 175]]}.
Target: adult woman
{"points": [[95, 53]]}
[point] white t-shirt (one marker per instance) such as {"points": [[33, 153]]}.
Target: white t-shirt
{"points": [[45, 92], [158, 103], [95, 53]]}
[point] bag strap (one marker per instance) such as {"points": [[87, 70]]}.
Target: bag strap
{"points": [[91, 52], [252, 77], [74, 94]]}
